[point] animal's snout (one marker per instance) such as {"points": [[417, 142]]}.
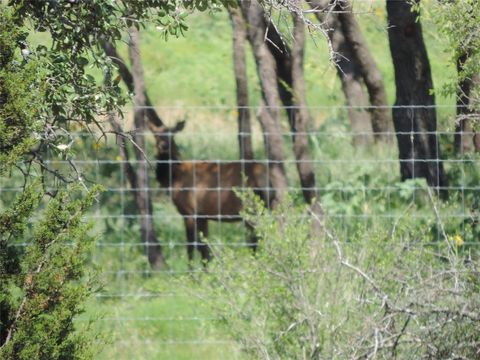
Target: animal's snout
{"points": [[164, 146], [164, 143]]}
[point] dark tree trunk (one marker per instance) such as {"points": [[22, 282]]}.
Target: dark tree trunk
{"points": [[269, 113], [240, 67], [299, 121], [142, 192], [348, 73], [466, 139], [283, 59], [291, 91], [368, 69], [291, 88], [300, 117], [414, 115], [291, 85], [128, 79], [123, 150]]}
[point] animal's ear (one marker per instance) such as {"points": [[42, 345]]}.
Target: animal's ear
{"points": [[179, 126]]}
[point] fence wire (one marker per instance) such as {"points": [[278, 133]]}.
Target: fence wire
{"points": [[358, 186]]}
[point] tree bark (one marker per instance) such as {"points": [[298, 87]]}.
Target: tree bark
{"points": [[300, 116], [291, 85], [349, 74], [367, 68], [466, 139], [241, 79], [142, 192], [299, 126], [269, 112], [127, 77], [414, 115]]}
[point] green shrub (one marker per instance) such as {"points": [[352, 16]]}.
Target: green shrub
{"points": [[45, 283], [386, 293], [43, 240]]}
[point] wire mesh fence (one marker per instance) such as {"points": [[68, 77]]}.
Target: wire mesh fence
{"points": [[358, 187]]}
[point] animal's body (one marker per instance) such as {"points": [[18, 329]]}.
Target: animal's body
{"points": [[203, 191]]}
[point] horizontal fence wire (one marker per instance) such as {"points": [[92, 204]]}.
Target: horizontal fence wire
{"points": [[312, 107], [191, 342], [183, 244], [339, 133]]}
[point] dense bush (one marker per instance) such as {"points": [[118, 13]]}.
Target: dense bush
{"points": [[44, 285], [43, 279], [390, 293]]}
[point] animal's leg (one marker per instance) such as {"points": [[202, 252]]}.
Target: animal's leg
{"points": [[202, 227], [252, 237], [191, 238]]}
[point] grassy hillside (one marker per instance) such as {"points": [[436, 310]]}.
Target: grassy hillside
{"points": [[197, 69]]}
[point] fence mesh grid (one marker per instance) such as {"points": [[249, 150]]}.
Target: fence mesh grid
{"points": [[358, 187]]}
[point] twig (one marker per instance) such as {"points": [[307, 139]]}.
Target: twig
{"points": [[440, 223]]}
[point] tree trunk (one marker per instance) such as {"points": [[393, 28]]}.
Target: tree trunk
{"points": [[283, 58], [349, 75], [142, 192], [300, 117], [466, 139], [240, 67], [123, 150], [414, 115], [128, 79], [291, 91], [291, 85], [299, 126], [368, 69], [269, 113]]}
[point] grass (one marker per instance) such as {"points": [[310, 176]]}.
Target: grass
{"points": [[197, 69], [158, 327]]}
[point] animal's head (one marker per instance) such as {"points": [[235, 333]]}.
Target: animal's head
{"points": [[165, 144]]}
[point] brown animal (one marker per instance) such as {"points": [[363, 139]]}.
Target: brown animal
{"points": [[203, 191]]}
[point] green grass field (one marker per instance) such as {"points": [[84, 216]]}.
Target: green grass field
{"points": [[197, 69]]}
